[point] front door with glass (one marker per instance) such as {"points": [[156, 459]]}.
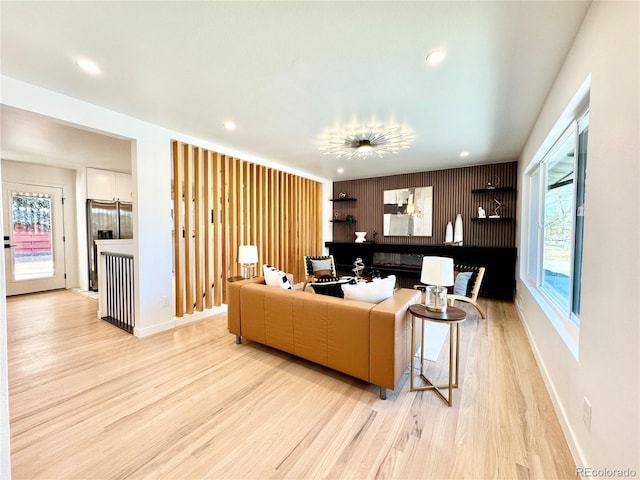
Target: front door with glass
{"points": [[33, 238]]}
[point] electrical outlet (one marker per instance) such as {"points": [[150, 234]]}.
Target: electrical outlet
{"points": [[164, 301], [586, 413]]}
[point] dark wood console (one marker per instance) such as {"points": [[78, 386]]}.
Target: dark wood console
{"points": [[405, 262]]}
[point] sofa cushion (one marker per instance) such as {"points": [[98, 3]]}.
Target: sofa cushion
{"points": [[373, 292], [275, 278]]}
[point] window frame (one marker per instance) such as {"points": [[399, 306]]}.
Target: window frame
{"points": [[563, 317]]}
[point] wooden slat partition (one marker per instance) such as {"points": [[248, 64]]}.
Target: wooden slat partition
{"points": [[220, 203]]}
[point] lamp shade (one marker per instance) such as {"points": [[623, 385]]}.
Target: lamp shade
{"points": [[437, 271], [248, 254]]}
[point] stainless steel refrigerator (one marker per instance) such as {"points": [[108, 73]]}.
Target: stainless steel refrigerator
{"points": [[105, 220]]}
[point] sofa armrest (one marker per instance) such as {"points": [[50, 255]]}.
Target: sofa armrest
{"points": [[390, 338], [233, 307]]}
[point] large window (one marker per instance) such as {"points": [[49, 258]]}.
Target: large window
{"points": [[556, 213]]}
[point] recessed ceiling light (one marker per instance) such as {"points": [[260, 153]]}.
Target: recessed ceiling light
{"points": [[464, 154], [229, 125], [435, 57], [88, 66], [340, 170]]}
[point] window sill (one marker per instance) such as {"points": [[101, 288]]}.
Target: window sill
{"points": [[569, 332]]}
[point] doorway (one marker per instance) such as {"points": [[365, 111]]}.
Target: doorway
{"points": [[33, 238]]}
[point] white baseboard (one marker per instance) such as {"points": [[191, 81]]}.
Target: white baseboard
{"points": [[161, 327], [574, 447], [176, 322], [194, 317]]}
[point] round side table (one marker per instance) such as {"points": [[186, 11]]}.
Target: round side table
{"points": [[453, 316]]}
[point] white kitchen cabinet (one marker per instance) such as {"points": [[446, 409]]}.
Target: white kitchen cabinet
{"points": [[123, 188], [108, 185]]}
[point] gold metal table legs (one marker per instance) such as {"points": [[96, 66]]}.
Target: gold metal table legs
{"points": [[454, 349]]}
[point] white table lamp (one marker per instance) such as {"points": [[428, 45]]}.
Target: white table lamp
{"points": [[437, 272], [248, 257]]}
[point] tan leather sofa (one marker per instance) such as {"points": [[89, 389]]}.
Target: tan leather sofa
{"points": [[368, 341]]}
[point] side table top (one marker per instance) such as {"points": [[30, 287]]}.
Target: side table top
{"points": [[451, 315]]}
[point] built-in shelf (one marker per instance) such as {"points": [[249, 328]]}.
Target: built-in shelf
{"points": [[348, 199], [487, 219], [492, 190]]}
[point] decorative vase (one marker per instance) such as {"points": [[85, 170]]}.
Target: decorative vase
{"points": [[448, 236], [360, 237], [457, 230]]}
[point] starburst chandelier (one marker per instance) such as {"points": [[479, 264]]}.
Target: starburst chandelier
{"points": [[366, 141]]}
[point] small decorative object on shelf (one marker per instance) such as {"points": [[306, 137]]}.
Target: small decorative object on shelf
{"points": [[373, 239], [496, 208], [349, 219], [360, 237], [481, 213], [491, 184], [448, 234], [343, 195], [358, 268], [336, 215]]}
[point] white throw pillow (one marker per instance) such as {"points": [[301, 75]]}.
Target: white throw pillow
{"points": [[372, 292], [275, 278]]}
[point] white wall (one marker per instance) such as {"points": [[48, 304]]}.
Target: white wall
{"points": [[19, 172], [607, 370]]}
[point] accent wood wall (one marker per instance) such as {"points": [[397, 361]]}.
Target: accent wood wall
{"points": [[233, 203], [452, 194]]}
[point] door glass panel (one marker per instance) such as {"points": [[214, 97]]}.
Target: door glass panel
{"points": [[31, 224]]}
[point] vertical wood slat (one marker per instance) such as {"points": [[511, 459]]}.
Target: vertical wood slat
{"points": [[272, 239], [221, 203], [188, 227], [319, 217], [254, 205], [208, 247], [198, 227], [225, 224], [259, 216], [284, 219], [233, 217], [178, 219], [239, 193], [247, 188], [218, 276], [296, 214], [265, 216]]}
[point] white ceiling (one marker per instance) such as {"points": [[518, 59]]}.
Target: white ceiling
{"points": [[287, 72]]}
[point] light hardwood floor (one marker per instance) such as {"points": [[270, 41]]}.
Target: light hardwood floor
{"points": [[89, 401]]}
